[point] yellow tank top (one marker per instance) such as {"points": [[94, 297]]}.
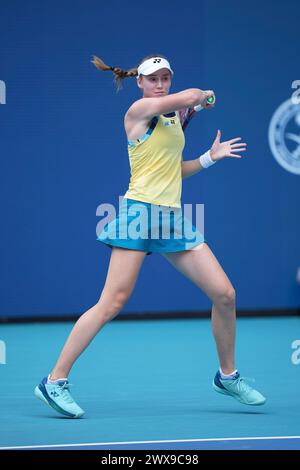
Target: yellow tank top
{"points": [[155, 162]]}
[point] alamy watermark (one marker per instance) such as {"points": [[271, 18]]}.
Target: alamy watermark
{"points": [[2, 352], [2, 92], [295, 357], [140, 221]]}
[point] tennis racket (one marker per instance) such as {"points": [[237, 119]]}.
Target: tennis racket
{"points": [[186, 114], [210, 100]]}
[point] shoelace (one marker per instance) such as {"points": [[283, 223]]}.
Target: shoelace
{"points": [[242, 385], [65, 393]]}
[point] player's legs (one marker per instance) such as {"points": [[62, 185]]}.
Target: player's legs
{"points": [[122, 273], [203, 269]]}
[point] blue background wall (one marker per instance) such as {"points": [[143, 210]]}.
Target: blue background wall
{"points": [[63, 147]]}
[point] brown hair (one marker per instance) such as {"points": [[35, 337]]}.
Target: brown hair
{"points": [[119, 73]]}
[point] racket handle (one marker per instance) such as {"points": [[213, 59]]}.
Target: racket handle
{"points": [[210, 100]]}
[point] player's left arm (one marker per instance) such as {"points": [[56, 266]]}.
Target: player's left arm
{"points": [[190, 167], [219, 150]]}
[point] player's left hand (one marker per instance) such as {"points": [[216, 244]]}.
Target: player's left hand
{"points": [[221, 150]]}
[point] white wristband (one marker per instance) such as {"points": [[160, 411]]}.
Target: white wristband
{"points": [[205, 160]]}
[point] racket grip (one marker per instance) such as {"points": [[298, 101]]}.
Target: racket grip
{"points": [[210, 100]]}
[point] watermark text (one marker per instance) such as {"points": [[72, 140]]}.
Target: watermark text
{"points": [[139, 221]]}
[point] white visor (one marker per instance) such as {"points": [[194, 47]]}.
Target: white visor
{"points": [[153, 64]]}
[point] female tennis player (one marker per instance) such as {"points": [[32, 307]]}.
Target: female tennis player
{"points": [[155, 127]]}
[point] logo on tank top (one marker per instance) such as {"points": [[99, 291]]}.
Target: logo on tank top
{"points": [[284, 135], [169, 122]]}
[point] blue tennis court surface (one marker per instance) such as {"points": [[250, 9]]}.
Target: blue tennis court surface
{"points": [[147, 385], [254, 443]]}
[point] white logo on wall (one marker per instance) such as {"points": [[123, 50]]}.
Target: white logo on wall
{"points": [[284, 135], [296, 354], [2, 92], [2, 352]]}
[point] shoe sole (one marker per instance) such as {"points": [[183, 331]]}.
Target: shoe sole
{"points": [[236, 397], [38, 393]]}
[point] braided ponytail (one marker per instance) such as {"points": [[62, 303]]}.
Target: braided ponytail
{"points": [[119, 73]]}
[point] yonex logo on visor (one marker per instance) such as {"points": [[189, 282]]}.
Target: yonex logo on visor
{"points": [[153, 64]]}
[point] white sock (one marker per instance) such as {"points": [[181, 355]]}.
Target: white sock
{"points": [[227, 376], [50, 381]]}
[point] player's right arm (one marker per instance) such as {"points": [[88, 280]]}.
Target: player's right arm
{"points": [[146, 108]]}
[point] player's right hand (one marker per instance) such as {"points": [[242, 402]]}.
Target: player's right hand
{"points": [[207, 94]]}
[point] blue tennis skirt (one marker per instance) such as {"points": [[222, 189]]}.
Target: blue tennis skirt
{"points": [[151, 228]]}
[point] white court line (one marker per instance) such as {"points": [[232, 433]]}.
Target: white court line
{"points": [[152, 442]]}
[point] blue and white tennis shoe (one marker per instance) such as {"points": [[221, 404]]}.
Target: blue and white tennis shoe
{"points": [[57, 396], [238, 388]]}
